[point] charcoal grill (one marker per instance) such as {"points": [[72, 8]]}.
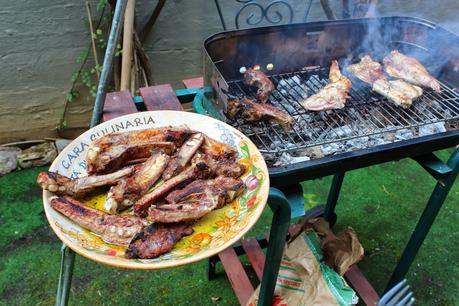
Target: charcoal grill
{"points": [[301, 54]]}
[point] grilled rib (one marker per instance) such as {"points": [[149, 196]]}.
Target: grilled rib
{"points": [[259, 79], [399, 92], [252, 111], [197, 170], [196, 200], [221, 167], [62, 185], [128, 190], [157, 239], [333, 95], [410, 69], [183, 156], [218, 150], [112, 229], [106, 151]]}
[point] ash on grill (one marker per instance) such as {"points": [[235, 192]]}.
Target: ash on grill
{"points": [[368, 120]]}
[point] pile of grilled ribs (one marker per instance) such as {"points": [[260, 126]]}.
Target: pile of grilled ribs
{"points": [[407, 74], [160, 181]]}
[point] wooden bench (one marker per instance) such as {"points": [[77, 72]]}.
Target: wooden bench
{"points": [[163, 97]]}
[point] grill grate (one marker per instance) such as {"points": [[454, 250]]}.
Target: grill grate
{"points": [[366, 113]]}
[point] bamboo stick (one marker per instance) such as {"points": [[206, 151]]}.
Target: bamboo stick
{"points": [[127, 45], [93, 43]]}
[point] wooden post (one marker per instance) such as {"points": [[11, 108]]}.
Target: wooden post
{"points": [[127, 45]]}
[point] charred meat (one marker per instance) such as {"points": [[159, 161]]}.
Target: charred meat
{"points": [[252, 111], [128, 190], [258, 79], [62, 185], [196, 200], [218, 150], [196, 171], [157, 239], [183, 156], [399, 65], [333, 95], [112, 150], [112, 229]]}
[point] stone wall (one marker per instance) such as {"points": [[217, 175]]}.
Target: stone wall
{"points": [[42, 39]]}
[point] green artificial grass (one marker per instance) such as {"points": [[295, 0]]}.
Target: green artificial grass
{"points": [[382, 203]]}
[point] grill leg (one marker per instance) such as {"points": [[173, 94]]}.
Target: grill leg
{"points": [[211, 265], [333, 194], [65, 275], [279, 226], [425, 222]]}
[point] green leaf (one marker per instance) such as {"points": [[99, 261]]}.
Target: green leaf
{"points": [[99, 32]]}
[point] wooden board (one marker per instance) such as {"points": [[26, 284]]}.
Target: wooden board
{"points": [[194, 82], [118, 104], [255, 255], [160, 97], [236, 275]]}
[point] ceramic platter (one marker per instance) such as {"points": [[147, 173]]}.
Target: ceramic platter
{"points": [[212, 234]]}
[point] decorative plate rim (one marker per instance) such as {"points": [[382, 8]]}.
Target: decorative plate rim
{"points": [[168, 263]]}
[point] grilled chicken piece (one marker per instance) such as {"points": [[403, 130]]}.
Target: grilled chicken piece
{"points": [[128, 190], [367, 70], [197, 170], [107, 152], [112, 229], [259, 79], [196, 200], [157, 239], [333, 95], [398, 91], [183, 156], [410, 69], [62, 185], [218, 150], [252, 111]]}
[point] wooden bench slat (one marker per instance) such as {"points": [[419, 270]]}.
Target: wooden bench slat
{"points": [[160, 97], [194, 82], [236, 275], [118, 104], [255, 255], [361, 285]]}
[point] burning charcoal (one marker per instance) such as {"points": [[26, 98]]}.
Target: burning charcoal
{"points": [[404, 134], [433, 128]]}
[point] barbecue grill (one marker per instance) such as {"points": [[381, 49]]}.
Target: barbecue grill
{"points": [[370, 129]]}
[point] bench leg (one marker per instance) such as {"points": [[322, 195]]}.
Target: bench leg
{"points": [[65, 276], [279, 227], [333, 194]]}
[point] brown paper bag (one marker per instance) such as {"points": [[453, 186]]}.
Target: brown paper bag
{"points": [[304, 279]]}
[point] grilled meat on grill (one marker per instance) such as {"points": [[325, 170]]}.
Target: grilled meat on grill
{"points": [[112, 150], [196, 200], [259, 79], [252, 111], [112, 229], [128, 190], [157, 239], [410, 69], [399, 92], [183, 156], [62, 185], [197, 170], [367, 70], [333, 95]]}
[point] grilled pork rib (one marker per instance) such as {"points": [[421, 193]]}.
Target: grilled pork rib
{"points": [[157, 239], [128, 190], [183, 156], [259, 79], [197, 170], [399, 92], [196, 200], [410, 69], [62, 185], [333, 95], [112, 150], [252, 111], [218, 150], [112, 229]]}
